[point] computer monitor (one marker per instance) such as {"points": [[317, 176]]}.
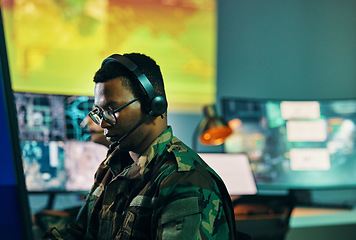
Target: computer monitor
{"points": [[51, 117], [56, 166], [15, 220], [295, 144], [234, 170], [57, 153]]}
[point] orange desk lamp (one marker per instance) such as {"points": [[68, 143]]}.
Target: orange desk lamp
{"points": [[212, 130]]}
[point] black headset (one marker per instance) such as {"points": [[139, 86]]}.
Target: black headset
{"points": [[155, 103]]}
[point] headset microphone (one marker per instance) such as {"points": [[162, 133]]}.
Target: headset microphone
{"points": [[116, 143], [92, 132]]}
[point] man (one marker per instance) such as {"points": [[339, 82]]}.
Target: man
{"points": [[95, 131], [151, 185]]}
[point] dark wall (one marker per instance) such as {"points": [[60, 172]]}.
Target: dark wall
{"points": [[298, 49]]}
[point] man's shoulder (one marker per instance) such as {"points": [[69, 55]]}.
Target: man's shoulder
{"points": [[185, 158]]}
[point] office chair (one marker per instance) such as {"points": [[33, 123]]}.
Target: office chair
{"points": [[263, 217]]}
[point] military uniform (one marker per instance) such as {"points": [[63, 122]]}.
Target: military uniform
{"points": [[168, 193]]}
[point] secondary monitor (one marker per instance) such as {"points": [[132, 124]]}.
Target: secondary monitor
{"points": [[56, 150], [295, 144], [234, 170]]}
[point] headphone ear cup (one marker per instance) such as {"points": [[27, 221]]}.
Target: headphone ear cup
{"points": [[158, 106]]}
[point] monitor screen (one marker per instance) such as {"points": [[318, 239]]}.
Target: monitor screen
{"points": [[57, 153], [295, 144], [234, 170]]}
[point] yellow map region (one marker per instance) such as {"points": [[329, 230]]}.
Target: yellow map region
{"points": [[55, 47]]}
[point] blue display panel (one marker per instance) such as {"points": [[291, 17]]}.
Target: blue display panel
{"points": [[43, 165], [57, 153], [15, 221], [67, 166], [76, 109], [40, 117], [295, 144], [48, 117]]}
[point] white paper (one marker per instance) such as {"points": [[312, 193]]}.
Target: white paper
{"points": [[53, 154], [310, 159], [234, 170], [300, 110], [306, 131]]}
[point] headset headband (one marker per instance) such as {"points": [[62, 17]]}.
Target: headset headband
{"points": [[157, 104]]}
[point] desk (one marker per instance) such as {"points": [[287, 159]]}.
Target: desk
{"points": [[322, 223], [316, 217], [262, 216], [305, 223]]}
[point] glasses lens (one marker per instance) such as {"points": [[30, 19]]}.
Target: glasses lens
{"points": [[95, 117], [109, 117]]}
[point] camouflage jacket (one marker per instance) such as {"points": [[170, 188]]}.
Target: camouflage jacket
{"points": [[168, 193]]}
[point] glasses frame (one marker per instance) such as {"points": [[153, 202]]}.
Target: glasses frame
{"points": [[97, 115]]}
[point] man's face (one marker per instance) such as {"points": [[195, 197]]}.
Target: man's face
{"points": [[96, 133], [109, 96]]}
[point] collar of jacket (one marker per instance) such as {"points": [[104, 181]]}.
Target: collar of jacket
{"points": [[138, 168], [156, 148]]}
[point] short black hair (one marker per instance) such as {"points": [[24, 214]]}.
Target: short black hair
{"points": [[147, 66]]}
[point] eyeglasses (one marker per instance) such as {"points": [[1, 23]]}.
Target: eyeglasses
{"points": [[108, 115]]}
